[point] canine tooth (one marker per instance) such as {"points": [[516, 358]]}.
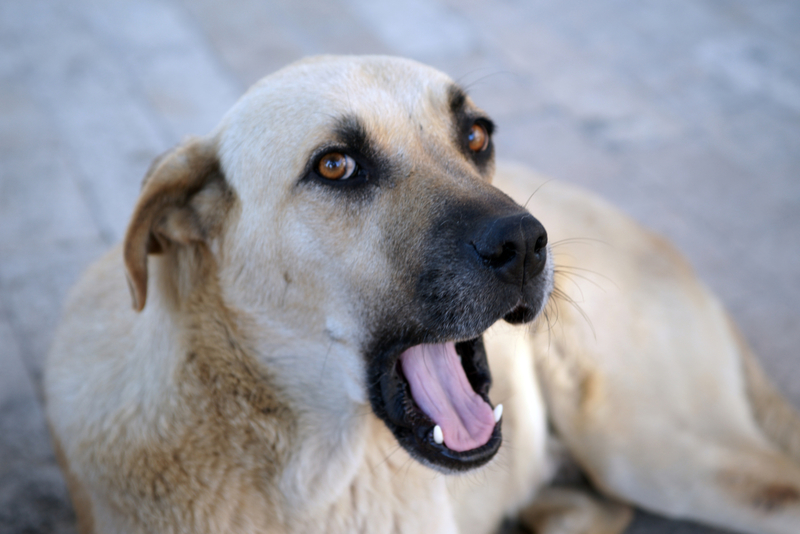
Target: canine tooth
{"points": [[438, 437], [498, 412]]}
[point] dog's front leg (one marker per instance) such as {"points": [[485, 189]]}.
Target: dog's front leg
{"points": [[572, 511]]}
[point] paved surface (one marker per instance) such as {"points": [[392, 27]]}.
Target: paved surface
{"points": [[686, 114]]}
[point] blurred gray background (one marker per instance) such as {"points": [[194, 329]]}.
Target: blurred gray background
{"points": [[685, 114]]}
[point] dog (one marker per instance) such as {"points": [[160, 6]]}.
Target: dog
{"points": [[340, 325]]}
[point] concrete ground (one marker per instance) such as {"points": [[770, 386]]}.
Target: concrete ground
{"points": [[685, 114]]}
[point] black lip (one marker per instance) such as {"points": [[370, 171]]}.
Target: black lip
{"points": [[462, 461], [414, 430], [520, 315]]}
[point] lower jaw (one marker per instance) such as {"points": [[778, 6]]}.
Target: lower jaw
{"points": [[441, 458]]}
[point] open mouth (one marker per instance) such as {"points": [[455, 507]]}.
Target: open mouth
{"points": [[435, 398]]}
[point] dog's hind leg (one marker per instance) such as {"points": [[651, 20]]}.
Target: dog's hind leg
{"points": [[749, 484], [770, 488], [698, 433], [746, 481], [754, 490]]}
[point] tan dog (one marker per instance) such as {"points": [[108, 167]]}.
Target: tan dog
{"points": [[312, 283]]}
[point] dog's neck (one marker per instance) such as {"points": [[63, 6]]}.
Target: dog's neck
{"points": [[305, 389], [322, 380], [359, 484], [334, 456]]}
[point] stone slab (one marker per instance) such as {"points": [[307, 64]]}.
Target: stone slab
{"points": [[33, 495]]}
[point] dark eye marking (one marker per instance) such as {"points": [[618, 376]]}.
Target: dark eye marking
{"points": [[472, 130], [458, 100], [349, 161]]}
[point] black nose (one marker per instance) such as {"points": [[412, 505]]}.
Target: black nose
{"points": [[514, 247]]}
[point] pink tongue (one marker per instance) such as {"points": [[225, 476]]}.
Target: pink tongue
{"points": [[441, 389]]}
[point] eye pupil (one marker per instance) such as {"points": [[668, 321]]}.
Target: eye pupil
{"points": [[478, 138]]}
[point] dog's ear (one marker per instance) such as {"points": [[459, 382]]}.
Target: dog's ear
{"points": [[183, 200]]}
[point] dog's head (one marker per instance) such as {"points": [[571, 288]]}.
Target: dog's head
{"points": [[346, 207]]}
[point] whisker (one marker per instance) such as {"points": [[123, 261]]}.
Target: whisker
{"points": [[569, 276], [578, 240], [551, 305], [536, 191], [563, 296], [468, 85], [386, 459], [554, 305], [550, 329], [576, 268]]}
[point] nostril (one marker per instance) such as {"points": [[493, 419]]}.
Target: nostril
{"points": [[498, 256], [541, 242]]}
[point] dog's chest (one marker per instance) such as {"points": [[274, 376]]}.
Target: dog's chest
{"points": [[393, 494], [377, 487]]}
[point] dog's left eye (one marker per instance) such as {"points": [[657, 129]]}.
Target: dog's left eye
{"points": [[478, 138], [336, 166]]}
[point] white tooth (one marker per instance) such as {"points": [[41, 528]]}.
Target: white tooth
{"points": [[438, 437], [498, 412]]}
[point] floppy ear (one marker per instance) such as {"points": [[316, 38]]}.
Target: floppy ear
{"points": [[183, 200]]}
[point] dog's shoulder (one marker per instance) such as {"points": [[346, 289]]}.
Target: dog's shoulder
{"points": [[201, 418]]}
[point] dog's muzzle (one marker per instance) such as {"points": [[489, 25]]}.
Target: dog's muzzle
{"points": [[430, 382]]}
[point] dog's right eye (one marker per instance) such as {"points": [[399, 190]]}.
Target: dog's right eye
{"points": [[336, 166]]}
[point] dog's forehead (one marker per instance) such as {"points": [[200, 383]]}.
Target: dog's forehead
{"points": [[369, 85], [286, 115]]}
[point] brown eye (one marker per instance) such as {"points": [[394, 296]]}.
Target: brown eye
{"points": [[336, 166], [478, 138]]}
